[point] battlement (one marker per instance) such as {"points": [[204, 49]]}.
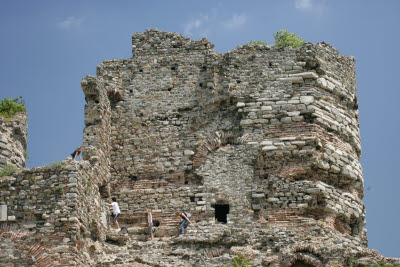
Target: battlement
{"points": [[153, 41]]}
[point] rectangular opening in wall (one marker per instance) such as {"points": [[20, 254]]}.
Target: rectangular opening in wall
{"points": [[221, 212]]}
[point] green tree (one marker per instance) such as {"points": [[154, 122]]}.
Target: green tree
{"points": [[10, 106], [284, 38]]}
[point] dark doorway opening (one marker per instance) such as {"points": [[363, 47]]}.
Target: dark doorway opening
{"points": [[221, 212]]}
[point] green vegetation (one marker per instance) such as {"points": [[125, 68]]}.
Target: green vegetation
{"points": [[381, 264], [26, 154], [8, 169], [10, 106], [350, 262], [240, 261], [253, 43], [33, 179], [284, 38], [58, 188], [55, 165]]}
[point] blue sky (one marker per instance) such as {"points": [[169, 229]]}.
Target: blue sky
{"points": [[47, 47]]}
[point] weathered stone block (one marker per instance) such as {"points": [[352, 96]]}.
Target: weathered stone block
{"points": [[3, 213]]}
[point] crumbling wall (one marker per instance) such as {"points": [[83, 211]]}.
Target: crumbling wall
{"points": [[154, 126], [13, 140], [175, 93], [266, 136], [97, 132], [51, 211], [183, 111], [54, 214]]}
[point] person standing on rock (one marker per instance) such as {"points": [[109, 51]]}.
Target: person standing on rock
{"points": [[77, 153], [150, 222], [186, 219], [116, 211]]}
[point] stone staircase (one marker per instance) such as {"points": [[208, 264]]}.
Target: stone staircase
{"points": [[165, 224]]}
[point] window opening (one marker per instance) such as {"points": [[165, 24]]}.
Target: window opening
{"points": [[221, 212]]}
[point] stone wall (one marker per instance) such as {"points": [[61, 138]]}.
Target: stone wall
{"points": [[50, 212], [297, 107], [97, 132], [54, 214], [260, 144], [13, 140]]}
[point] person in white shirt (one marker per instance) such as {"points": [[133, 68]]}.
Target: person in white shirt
{"points": [[116, 211]]}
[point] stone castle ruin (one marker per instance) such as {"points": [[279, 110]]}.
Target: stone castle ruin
{"points": [[260, 144]]}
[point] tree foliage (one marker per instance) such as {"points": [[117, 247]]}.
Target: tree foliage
{"points": [[284, 38], [10, 106]]}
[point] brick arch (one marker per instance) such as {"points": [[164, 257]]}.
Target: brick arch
{"points": [[303, 255], [37, 253], [220, 199], [215, 141], [301, 260]]}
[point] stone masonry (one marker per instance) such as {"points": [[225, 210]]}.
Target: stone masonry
{"points": [[13, 140], [260, 144]]}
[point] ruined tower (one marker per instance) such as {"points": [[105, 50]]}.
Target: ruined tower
{"points": [[260, 144]]}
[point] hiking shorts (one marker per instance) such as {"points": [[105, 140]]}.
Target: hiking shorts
{"points": [[114, 216]]}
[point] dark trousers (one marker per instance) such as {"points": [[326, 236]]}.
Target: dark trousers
{"points": [[183, 224]]}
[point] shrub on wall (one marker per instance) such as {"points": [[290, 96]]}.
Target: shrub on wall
{"points": [[284, 38], [10, 106], [253, 43], [240, 261], [8, 169]]}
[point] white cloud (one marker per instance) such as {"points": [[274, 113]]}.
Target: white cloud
{"points": [[204, 24], [192, 25], [70, 22], [200, 25], [303, 4], [235, 21], [317, 7]]}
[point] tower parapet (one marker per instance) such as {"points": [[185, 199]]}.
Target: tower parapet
{"points": [[154, 42]]}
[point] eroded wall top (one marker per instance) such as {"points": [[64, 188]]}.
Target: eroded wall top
{"points": [[13, 140]]}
